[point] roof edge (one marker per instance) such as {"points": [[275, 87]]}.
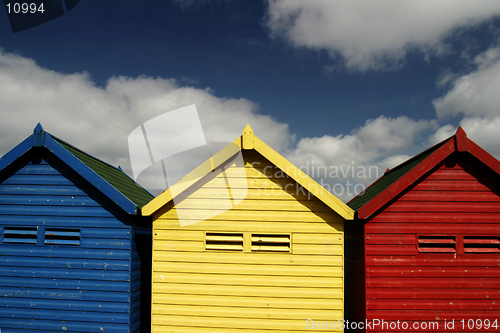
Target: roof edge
{"points": [[447, 147], [90, 175], [248, 141]]}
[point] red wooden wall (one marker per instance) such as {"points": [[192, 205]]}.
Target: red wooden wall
{"points": [[433, 254]]}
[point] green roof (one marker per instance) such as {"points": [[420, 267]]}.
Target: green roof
{"points": [[114, 176], [390, 178]]}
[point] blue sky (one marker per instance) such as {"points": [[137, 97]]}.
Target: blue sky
{"points": [[324, 82]]}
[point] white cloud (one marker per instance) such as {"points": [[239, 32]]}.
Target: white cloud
{"points": [[360, 157], [476, 93], [99, 120], [375, 34]]}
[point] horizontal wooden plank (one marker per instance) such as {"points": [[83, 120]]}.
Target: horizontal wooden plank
{"points": [[453, 196], [65, 294], [248, 302], [247, 258], [414, 293], [253, 215], [253, 194], [451, 185], [319, 249], [387, 239], [433, 272], [444, 207], [430, 227], [24, 325], [39, 169], [48, 314], [256, 204], [64, 252], [180, 235], [61, 273], [248, 280], [35, 190], [398, 250], [63, 283], [58, 210], [434, 304], [23, 304], [54, 179], [269, 226], [248, 269], [434, 260], [450, 174], [306, 238], [191, 329], [179, 321], [253, 291], [47, 200], [162, 245], [451, 283], [64, 221], [255, 183], [243, 312], [76, 263]]}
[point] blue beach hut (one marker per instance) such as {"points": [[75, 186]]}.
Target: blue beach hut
{"points": [[73, 244]]}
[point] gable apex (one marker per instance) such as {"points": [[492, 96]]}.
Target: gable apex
{"points": [[461, 140], [38, 136]]}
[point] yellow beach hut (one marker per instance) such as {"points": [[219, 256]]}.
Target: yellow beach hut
{"points": [[247, 242]]}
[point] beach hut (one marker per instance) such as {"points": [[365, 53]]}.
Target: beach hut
{"points": [[425, 247], [73, 245], [250, 244]]}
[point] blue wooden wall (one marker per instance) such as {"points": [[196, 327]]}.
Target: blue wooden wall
{"points": [[90, 282]]}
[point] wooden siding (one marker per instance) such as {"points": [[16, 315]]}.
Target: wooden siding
{"points": [[62, 288], [198, 290], [461, 197]]}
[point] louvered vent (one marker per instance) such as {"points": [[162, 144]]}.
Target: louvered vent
{"points": [[224, 241], [437, 244], [481, 244], [270, 243], [20, 235], [62, 236]]}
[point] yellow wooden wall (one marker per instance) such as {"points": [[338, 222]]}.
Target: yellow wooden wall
{"points": [[197, 290]]}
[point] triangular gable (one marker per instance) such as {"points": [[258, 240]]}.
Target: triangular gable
{"points": [[407, 173], [248, 141], [126, 193]]}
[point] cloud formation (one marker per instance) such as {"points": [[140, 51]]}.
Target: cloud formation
{"points": [[340, 162], [376, 34], [99, 119]]}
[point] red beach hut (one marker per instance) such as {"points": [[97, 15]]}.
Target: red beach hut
{"points": [[425, 248]]}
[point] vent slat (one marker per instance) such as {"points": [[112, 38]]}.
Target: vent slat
{"points": [[481, 244], [20, 235], [224, 241], [62, 236], [437, 244], [270, 243]]}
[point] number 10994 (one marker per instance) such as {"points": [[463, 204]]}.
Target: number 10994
{"points": [[18, 8]]}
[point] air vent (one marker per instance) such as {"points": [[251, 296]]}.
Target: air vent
{"points": [[62, 236], [437, 244], [270, 243], [224, 241], [481, 244], [20, 235]]}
